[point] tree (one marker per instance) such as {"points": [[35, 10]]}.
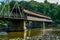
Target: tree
{"points": [[45, 1], [32, 0], [46, 8]]}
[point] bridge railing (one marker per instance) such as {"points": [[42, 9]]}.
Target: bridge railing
{"points": [[12, 15]]}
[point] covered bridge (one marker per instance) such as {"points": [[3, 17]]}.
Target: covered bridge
{"points": [[24, 18], [18, 18], [18, 22]]}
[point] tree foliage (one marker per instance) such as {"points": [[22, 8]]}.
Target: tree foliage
{"points": [[46, 8]]}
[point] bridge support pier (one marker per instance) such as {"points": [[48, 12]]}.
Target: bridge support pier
{"points": [[25, 30], [43, 28], [29, 28]]}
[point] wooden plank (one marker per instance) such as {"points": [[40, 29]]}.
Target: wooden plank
{"points": [[36, 14], [37, 19]]}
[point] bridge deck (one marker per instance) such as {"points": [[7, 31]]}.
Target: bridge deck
{"points": [[14, 16]]}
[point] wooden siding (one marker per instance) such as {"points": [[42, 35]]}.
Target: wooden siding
{"points": [[36, 14], [37, 19]]}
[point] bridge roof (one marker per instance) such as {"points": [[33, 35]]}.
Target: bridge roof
{"points": [[40, 17], [36, 14]]}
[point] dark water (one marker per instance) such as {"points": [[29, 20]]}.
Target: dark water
{"points": [[33, 32]]}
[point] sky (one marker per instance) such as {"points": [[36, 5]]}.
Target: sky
{"points": [[52, 1]]}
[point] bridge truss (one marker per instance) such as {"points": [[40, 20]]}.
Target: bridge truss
{"points": [[7, 12]]}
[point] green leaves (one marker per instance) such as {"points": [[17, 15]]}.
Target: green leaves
{"points": [[46, 8], [3, 22]]}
